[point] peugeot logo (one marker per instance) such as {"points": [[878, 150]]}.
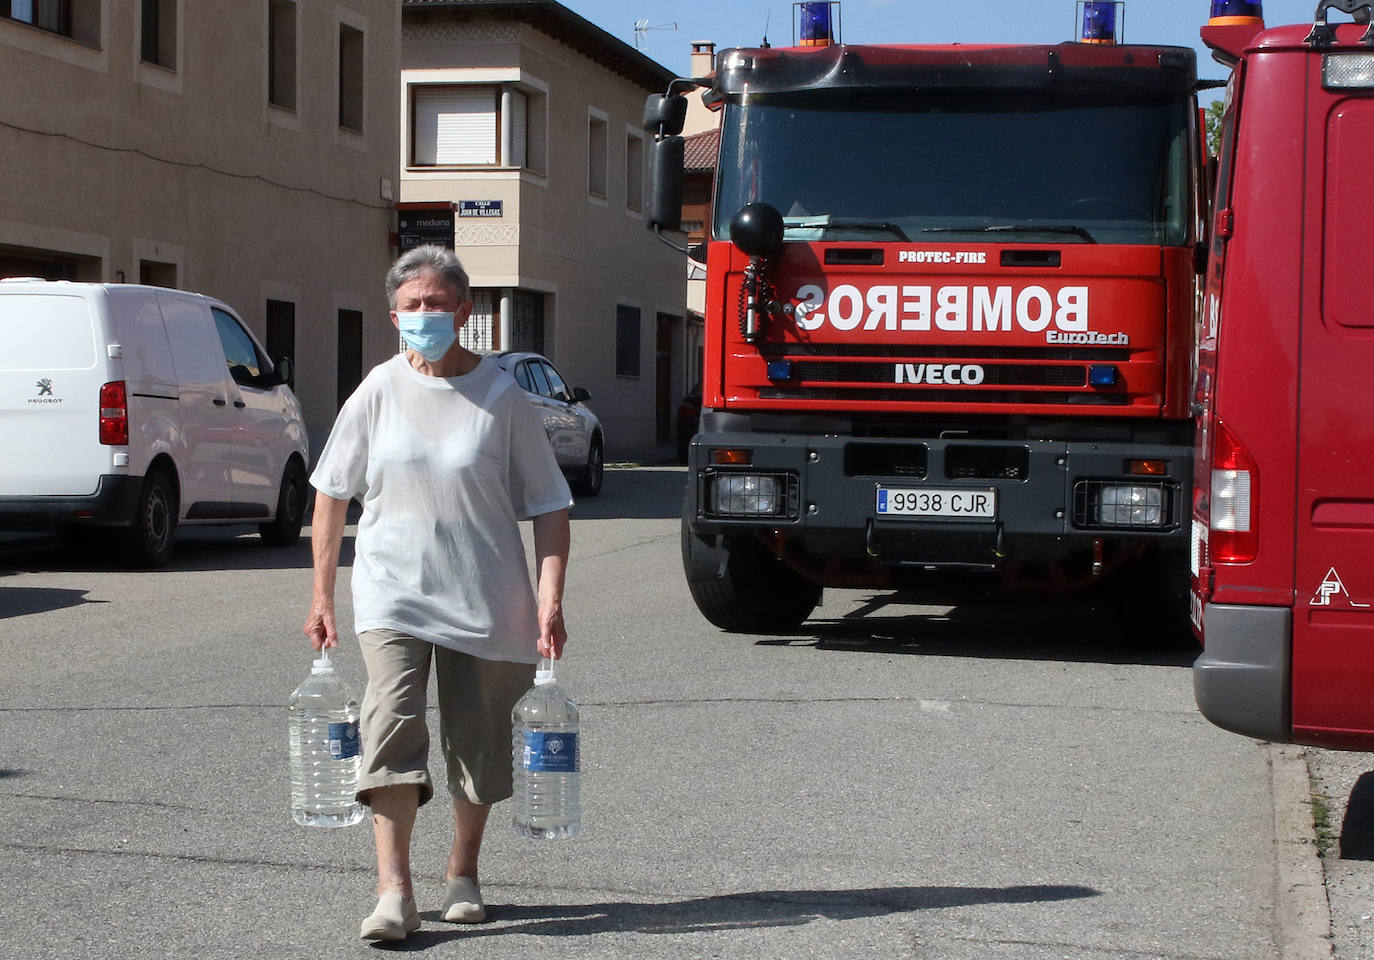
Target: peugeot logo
{"points": [[45, 387]]}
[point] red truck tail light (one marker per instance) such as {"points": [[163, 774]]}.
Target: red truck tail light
{"points": [[114, 414], [1235, 496]]}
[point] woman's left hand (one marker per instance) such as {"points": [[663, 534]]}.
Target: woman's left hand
{"points": [[552, 633]]}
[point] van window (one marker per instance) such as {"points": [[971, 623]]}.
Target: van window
{"points": [[44, 332], [241, 353]]}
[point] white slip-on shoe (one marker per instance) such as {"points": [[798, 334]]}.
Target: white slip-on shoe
{"points": [[463, 901], [394, 918]]}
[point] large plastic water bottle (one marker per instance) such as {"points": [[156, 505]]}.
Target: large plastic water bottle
{"points": [[325, 754], [547, 760]]}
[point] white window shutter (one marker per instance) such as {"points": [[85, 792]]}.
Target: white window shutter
{"points": [[455, 126], [519, 122]]}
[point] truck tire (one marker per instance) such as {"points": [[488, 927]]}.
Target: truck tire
{"points": [[285, 528], [752, 591], [148, 542]]}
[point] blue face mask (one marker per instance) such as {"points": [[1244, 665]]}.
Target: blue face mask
{"points": [[429, 333]]}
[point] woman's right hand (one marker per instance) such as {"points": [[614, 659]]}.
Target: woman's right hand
{"points": [[319, 624]]}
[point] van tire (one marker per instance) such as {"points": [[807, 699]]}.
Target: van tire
{"points": [[285, 528], [748, 589], [148, 542]]}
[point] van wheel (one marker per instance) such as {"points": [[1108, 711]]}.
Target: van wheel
{"points": [[751, 591], [589, 483], [148, 542], [285, 529]]}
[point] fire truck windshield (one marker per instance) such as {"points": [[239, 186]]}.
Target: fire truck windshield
{"points": [[1011, 165]]}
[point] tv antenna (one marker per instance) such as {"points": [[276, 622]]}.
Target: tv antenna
{"points": [[642, 28]]}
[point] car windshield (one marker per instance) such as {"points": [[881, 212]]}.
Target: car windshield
{"points": [[1033, 167]]}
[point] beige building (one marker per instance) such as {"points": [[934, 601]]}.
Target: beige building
{"points": [[521, 122], [245, 150]]}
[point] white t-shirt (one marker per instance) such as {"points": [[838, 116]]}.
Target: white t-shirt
{"points": [[445, 468]]}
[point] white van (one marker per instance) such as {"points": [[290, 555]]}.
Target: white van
{"points": [[140, 408]]}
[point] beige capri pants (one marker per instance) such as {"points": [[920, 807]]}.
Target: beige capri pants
{"points": [[476, 697]]}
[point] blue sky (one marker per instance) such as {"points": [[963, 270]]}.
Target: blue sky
{"points": [[743, 22]]}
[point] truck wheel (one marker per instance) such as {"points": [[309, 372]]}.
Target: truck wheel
{"points": [[285, 528], [754, 592], [589, 483], [148, 542]]}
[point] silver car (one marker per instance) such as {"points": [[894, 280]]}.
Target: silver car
{"points": [[573, 429]]}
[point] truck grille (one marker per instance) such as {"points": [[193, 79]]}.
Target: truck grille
{"points": [[930, 374]]}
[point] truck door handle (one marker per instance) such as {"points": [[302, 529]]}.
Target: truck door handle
{"points": [[218, 401]]}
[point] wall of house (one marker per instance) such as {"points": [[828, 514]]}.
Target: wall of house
{"points": [[190, 169]]}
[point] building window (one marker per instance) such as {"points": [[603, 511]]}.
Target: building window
{"points": [[475, 126], [281, 54], [78, 19], [626, 341], [527, 321], [455, 126], [159, 35], [153, 273], [350, 78], [477, 333], [634, 172], [350, 354], [281, 329], [596, 155]]}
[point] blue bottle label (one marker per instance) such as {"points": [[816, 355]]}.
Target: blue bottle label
{"points": [[550, 752], [343, 740]]}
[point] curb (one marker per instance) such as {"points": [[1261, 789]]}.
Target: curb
{"points": [[1304, 911]]}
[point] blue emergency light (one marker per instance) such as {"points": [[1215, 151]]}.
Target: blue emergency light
{"points": [[816, 28], [1102, 375], [1236, 12], [779, 369], [1099, 22]]}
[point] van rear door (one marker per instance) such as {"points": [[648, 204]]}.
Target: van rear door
{"points": [[1333, 616], [52, 365]]}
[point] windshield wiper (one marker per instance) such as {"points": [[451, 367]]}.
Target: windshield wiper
{"points": [[1018, 228], [826, 223]]}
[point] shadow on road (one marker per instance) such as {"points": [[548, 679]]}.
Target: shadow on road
{"points": [[19, 601], [735, 911], [1051, 627]]}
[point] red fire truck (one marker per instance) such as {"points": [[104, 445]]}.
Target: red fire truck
{"points": [[949, 320], [1283, 508]]}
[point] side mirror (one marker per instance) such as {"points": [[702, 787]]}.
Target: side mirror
{"points": [[286, 372], [580, 395], [664, 206], [665, 114]]}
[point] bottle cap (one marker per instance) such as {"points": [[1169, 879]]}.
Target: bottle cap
{"points": [[323, 664]]}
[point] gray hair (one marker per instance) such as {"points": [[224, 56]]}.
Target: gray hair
{"points": [[429, 257]]}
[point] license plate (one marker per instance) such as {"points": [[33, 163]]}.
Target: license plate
{"points": [[937, 502]]}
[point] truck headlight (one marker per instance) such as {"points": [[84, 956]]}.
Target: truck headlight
{"points": [[746, 495], [1130, 505], [1112, 505]]}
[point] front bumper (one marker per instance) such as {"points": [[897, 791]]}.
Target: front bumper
{"points": [[113, 503], [826, 488]]}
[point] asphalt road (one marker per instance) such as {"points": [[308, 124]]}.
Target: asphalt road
{"points": [[1000, 781]]}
